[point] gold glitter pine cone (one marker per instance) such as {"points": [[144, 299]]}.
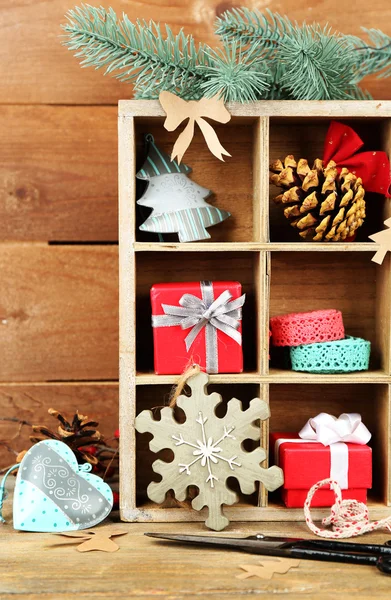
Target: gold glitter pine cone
{"points": [[321, 203]]}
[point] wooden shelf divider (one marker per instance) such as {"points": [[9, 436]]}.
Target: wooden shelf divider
{"points": [[255, 247]]}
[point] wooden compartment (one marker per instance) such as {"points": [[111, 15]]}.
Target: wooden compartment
{"points": [[292, 405], [279, 274], [304, 138], [154, 397], [233, 188], [161, 267], [351, 283]]}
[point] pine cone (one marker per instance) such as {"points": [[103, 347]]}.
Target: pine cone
{"points": [[321, 203], [78, 435]]}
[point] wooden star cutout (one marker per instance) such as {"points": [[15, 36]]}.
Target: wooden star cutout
{"points": [[383, 238], [266, 568]]}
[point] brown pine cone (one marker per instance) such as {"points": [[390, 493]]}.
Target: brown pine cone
{"points": [[321, 203], [80, 435]]}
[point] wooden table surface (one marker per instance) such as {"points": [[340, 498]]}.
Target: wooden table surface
{"points": [[146, 568]]}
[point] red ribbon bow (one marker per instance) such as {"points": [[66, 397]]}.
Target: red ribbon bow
{"points": [[341, 144]]}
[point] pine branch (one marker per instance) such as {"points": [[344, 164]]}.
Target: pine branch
{"points": [[318, 64], [263, 56], [234, 74], [136, 53], [139, 53], [307, 62], [251, 26], [375, 57], [277, 91]]}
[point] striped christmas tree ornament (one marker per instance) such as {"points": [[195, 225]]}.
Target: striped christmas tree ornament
{"points": [[178, 203]]}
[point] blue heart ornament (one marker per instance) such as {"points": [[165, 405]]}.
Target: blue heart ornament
{"points": [[54, 493]]}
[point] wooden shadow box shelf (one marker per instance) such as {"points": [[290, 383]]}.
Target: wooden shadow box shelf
{"points": [[279, 273]]}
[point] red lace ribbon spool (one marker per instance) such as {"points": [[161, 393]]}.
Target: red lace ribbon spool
{"points": [[295, 329]]}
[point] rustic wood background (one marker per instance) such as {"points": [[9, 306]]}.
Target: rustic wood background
{"points": [[58, 201]]}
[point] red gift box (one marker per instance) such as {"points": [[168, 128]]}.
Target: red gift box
{"points": [[171, 357], [306, 463]]}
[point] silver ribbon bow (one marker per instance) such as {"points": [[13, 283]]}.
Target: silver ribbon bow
{"points": [[195, 313]]}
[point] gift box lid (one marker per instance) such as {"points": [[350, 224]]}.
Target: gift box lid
{"points": [[306, 463], [175, 291]]}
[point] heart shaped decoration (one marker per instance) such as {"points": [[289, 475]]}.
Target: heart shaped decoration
{"points": [[54, 493]]}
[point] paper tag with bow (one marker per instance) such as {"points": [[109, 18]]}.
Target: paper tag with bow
{"points": [[178, 110]]}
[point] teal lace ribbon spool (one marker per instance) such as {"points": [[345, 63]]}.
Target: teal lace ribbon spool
{"points": [[341, 356]]}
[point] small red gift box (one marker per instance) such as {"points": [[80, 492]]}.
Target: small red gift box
{"points": [[198, 322], [306, 463]]}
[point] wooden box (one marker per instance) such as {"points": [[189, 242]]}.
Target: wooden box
{"points": [[279, 273]]}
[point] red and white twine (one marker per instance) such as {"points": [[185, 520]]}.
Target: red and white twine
{"points": [[348, 518]]}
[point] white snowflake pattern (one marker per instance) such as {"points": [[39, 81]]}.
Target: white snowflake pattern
{"points": [[207, 451]]}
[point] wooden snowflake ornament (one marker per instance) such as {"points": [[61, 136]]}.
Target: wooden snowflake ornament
{"points": [[208, 450]]}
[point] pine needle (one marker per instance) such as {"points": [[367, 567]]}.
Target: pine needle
{"points": [[318, 64], [305, 62], [376, 56], [252, 27], [235, 75], [264, 56], [135, 52]]}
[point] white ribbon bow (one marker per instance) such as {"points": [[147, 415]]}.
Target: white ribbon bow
{"points": [[327, 430], [333, 432]]}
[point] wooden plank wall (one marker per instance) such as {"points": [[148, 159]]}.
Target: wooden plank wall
{"points": [[58, 201]]}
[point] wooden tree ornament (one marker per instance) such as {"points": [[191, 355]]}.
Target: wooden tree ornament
{"points": [[178, 203], [208, 450]]}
